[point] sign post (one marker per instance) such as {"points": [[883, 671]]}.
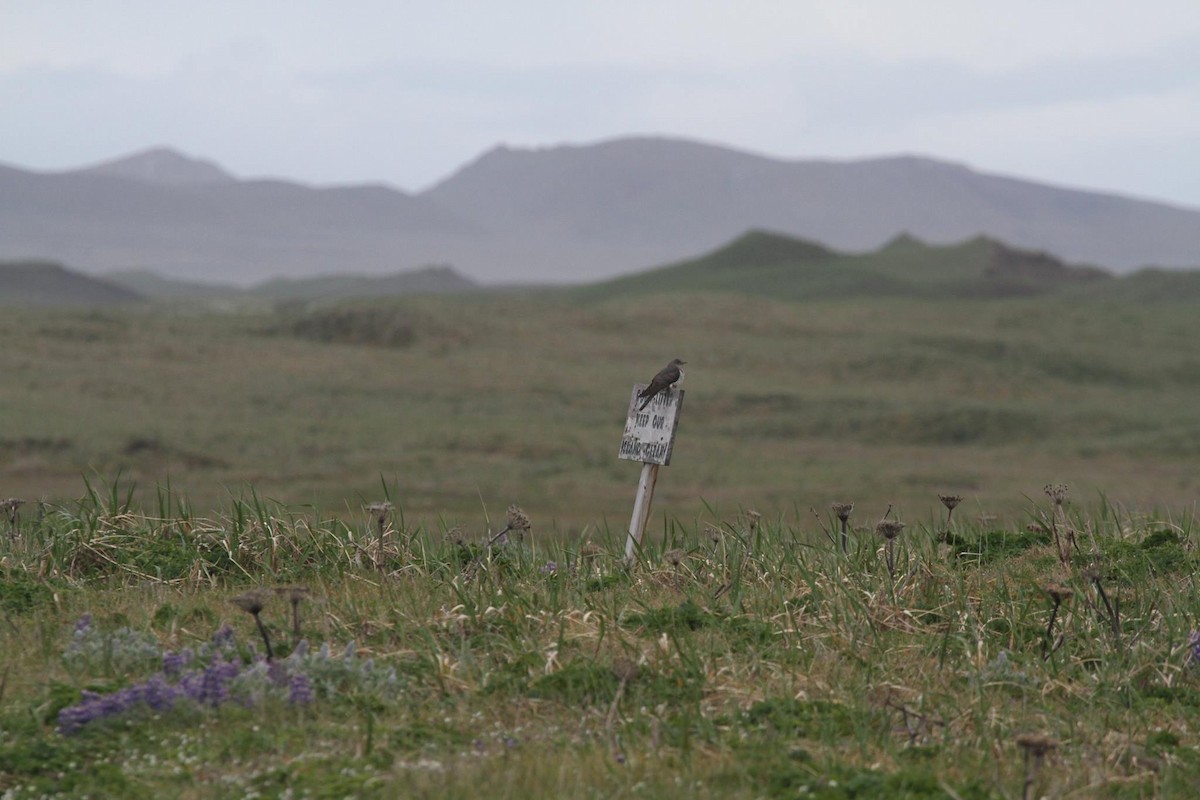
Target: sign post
{"points": [[649, 438]]}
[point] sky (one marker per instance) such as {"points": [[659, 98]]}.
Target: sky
{"points": [[1095, 94]]}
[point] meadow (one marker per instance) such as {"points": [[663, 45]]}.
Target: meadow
{"points": [[201, 482], [462, 405]]}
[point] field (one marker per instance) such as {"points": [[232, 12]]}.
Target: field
{"points": [[182, 465], [464, 405]]}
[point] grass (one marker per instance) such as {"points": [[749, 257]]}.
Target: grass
{"points": [[466, 404], [234, 455], [746, 658]]}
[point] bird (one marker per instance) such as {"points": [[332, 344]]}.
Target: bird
{"points": [[667, 377]]}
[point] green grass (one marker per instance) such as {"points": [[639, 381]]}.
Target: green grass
{"points": [[462, 405], [765, 662]]}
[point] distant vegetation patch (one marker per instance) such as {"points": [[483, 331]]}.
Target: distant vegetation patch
{"points": [[375, 327]]}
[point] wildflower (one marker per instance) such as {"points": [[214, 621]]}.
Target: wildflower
{"points": [[518, 523], [754, 518], [173, 663], [1194, 648], [252, 603], [294, 595], [842, 511], [549, 568], [12, 505], [299, 690], [889, 528], [379, 511], [674, 557], [1058, 593], [950, 501], [1057, 492], [83, 625], [1035, 747]]}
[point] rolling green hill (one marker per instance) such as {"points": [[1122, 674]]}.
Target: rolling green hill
{"points": [[159, 287], [428, 280], [46, 283], [761, 262]]}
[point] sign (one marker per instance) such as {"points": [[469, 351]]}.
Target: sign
{"points": [[650, 433]]}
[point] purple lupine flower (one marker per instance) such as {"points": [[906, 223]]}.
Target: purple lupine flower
{"points": [[174, 662], [154, 693], [277, 673], [1194, 648], [83, 624], [549, 568], [299, 690], [210, 686]]}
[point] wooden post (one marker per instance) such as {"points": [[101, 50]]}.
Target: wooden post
{"points": [[649, 438], [641, 512]]}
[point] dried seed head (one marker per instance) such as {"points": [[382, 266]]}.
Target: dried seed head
{"points": [[714, 533], [252, 602], [455, 536], [842, 510], [1035, 527], [379, 511], [589, 550], [1036, 744], [950, 501], [517, 519], [626, 669], [674, 557], [889, 528], [1058, 593], [294, 594], [754, 517], [11, 504], [1056, 492]]}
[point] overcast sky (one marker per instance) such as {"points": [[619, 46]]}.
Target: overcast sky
{"points": [[1089, 93]]}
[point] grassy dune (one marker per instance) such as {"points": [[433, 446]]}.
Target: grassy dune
{"points": [[462, 405]]}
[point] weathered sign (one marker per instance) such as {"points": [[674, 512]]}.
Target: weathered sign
{"points": [[650, 433]]}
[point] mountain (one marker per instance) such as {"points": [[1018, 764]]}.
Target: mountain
{"points": [[238, 231], [163, 166], [561, 214], [44, 283], [779, 266], [668, 198]]}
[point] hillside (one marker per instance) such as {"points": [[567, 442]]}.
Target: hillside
{"points": [[783, 267], [44, 283], [429, 280], [566, 214]]}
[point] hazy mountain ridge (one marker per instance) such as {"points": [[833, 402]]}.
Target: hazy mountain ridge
{"points": [[566, 214], [162, 165]]}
